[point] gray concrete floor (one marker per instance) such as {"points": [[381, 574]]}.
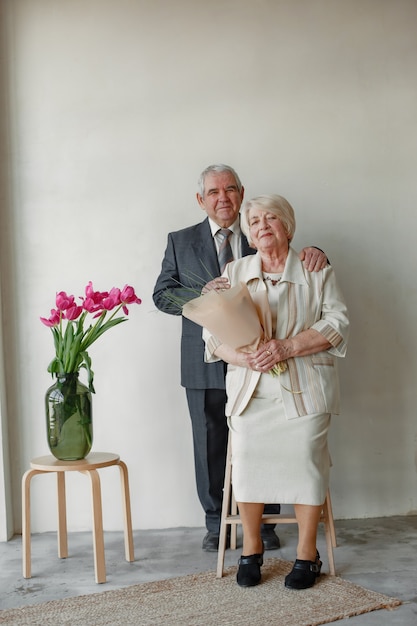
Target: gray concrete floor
{"points": [[379, 554]]}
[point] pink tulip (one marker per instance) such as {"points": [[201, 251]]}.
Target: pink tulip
{"points": [[63, 301], [112, 300], [96, 296], [109, 304], [128, 296], [53, 319], [73, 312], [90, 306], [115, 294], [93, 303]]}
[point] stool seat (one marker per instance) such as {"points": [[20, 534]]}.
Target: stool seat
{"points": [[95, 460], [88, 466], [230, 517]]}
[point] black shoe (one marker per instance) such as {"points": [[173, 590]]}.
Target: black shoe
{"points": [[249, 572], [270, 539], [303, 574], [211, 542]]}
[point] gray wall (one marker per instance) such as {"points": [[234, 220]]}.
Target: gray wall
{"points": [[114, 108]]}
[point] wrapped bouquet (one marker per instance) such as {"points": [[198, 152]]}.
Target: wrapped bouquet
{"points": [[236, 317]]}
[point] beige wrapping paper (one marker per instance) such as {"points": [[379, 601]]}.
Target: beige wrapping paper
{"points": [[234, 316]]}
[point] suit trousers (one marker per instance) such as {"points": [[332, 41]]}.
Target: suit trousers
{"points": [[210, 435]]}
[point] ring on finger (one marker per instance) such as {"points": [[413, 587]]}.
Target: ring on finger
{"points": [[268, 352]]}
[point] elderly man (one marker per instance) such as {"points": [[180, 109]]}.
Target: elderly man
{"points": [[193, 256]]}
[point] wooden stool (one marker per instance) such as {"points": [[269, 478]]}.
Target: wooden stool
{"points": [[89, 467], [232, 518]]}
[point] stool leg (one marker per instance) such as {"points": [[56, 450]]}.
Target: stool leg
{"points": [[329, 513], [233, 527], [99, 562], [26, 559], [127, 514], [62, 516], [227, 489], [330, 556], [329, 534]]}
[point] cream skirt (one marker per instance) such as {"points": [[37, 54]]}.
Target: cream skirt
{"points": [[275, 460]]}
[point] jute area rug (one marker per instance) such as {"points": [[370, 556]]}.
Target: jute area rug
{"points": [[204, 600]]}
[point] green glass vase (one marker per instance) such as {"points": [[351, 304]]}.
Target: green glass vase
{"points": [[69, 418]]}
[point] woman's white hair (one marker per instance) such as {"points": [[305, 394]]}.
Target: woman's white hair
{"points": [[275, 204]]}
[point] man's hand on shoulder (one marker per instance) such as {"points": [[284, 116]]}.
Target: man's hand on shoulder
{"points": [[314, 259], [217, 284]]}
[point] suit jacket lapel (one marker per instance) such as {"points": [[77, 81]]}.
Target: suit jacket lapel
{"points": [[205, 252], [204, 249], [246, 249]]}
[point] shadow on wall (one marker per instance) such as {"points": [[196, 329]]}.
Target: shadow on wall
{"points": [[8, 338]]}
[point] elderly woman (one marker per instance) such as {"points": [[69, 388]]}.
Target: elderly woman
{"points": [[279, 425]]}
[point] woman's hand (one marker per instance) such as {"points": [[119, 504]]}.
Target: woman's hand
{"points": [[235, 357], [217, 284], [269, 354], [274, 351]]}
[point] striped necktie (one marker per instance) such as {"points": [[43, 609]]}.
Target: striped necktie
{"points": [[225, 250]]}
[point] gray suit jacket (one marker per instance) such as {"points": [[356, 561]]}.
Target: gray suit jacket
{"points": [[191, 260]]}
